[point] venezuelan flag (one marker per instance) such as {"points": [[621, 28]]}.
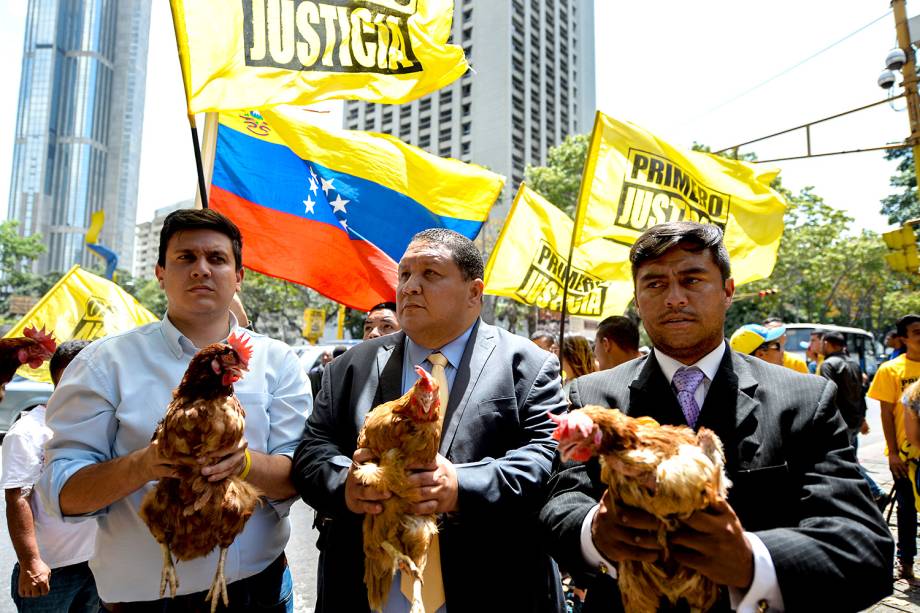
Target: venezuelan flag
{"points": [[335, 211]]}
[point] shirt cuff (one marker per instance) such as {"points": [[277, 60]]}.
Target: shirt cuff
{"points": [[589, 552], [764, 594]]}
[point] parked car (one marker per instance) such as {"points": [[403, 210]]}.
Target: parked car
{"points": [[860, 343], [21, 394]]}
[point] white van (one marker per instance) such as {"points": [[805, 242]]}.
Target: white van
{"points": [[860, 343]]}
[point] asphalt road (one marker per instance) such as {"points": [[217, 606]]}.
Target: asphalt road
{"points": [[301, 553]]}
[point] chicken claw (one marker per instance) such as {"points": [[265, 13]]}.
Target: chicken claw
{"points": [[219, 587], [169, 573]]}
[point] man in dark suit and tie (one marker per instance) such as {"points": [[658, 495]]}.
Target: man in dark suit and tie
{"points": [[799, 531], [488, 481]]}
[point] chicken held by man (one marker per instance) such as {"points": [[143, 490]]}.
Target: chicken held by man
{"points": [[189, 516], [32, 348], [401, 433], [667, 471]]}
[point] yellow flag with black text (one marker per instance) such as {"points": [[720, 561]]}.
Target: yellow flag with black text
{"points": [[81, 305], [528, 263], [634, 180], [245, 54]]}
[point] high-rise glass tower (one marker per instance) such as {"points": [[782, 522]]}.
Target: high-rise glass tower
{"points": [[530, 86], [78, 126]]}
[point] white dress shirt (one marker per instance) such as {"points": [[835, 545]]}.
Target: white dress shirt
{"points": [[108, 404], [765, 585]]}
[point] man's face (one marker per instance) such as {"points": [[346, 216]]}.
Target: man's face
{"points": [[546, 344], [608, 354], [771, 352], [380, 323], [682, 300], [200, 275], [912, 340], [816, 344], [434, 303]]}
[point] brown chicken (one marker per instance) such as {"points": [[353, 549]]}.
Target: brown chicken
{"points": [[668, 471], [33, 348], [190, 516], [401, 433]]}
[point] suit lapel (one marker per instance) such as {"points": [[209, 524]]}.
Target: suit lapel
{"points": [[651, 395], [477, 352], [390, 369], [733, 386]]}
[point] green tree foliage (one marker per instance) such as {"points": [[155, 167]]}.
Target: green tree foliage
{"points": [[903, 204], [560, 180], [827, 274]]}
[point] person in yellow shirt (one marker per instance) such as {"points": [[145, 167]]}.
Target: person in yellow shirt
{"points": [[892, 378], [790, 360]]}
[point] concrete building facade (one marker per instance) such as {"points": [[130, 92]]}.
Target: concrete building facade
{"points": [[79, 124], [531, 84]]}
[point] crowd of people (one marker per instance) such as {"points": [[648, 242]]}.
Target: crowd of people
{"points": [[799, 525]]}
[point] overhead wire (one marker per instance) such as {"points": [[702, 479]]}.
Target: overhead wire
{"points": [[785, 71]]}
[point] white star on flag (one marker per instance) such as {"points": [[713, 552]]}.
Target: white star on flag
{"points": [[338, 205], [312, 172], [313, 186], [344, 223], [309, 204], [327, 185]]}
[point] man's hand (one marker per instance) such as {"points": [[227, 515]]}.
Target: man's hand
{"points": [[864, 427], [360, 498], [34, 579], [153, 465], [225, 462], [434, 487], [625, 533], [897, 465], [712, 541]]}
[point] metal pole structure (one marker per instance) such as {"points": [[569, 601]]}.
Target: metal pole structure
{"points": [[909, 72], [207, 154]]}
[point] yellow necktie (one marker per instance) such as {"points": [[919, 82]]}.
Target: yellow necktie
{"points": [[432, 582]]}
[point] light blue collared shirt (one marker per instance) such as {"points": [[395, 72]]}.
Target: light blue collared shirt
{"points": [[108, 404], [413, 355]]}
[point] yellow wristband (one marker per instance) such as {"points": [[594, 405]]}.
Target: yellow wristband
{"points": [[247, 465]]}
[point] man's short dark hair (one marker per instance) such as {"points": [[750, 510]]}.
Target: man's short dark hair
{"points": [[338, 350], [464, 253], [543, 335], [905, 322], [383, 305], [620, 330], [835, 338], [64, 355], [200, 219], [687, 235]]}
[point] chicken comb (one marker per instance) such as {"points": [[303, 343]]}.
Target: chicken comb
{"points": [[42, 337], [241, 345]]}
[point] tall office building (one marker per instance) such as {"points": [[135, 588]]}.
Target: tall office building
{"points": [[147, 239], [78, 127], [531, 85]]}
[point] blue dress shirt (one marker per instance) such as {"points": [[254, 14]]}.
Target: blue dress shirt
{"points": [[108, 404]]}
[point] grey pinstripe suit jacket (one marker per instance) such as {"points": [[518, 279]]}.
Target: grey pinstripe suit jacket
{"points": [[795, 481]]}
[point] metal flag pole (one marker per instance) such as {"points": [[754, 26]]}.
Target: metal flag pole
{"points": [[583, 191]]}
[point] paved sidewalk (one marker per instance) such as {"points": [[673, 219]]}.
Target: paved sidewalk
{"points": [[906, 595]]}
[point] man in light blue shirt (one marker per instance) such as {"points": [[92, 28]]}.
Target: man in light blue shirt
{"points": [[101, 461]]}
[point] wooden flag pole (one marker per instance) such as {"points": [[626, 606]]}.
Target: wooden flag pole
{"points": [[204, 158]]}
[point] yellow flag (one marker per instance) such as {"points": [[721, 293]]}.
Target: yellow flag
{"points": [[634, 180], [81, 306], [529, 258], [244, 54]]}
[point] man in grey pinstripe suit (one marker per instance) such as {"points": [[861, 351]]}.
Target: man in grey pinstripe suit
{"points": [[799, 530]]}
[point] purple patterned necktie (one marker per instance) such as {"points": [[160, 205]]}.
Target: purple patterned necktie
{"points": [[685, 382]]}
